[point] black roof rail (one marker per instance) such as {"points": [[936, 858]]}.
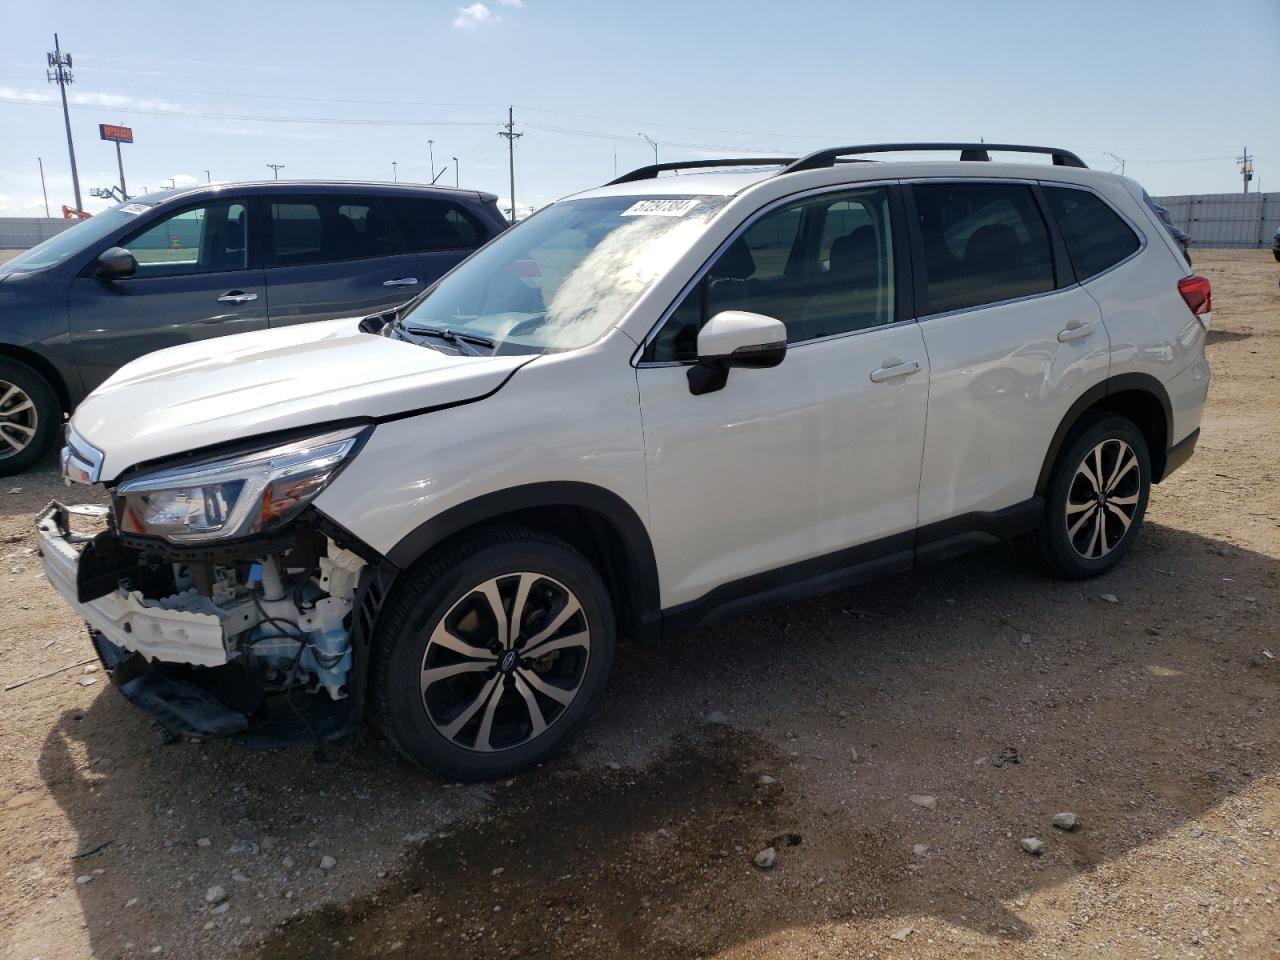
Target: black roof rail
{"points": [[968, 151], [653, 169]]}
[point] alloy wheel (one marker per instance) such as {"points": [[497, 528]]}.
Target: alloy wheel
{"points": [[505, 662], [1103, 499], [18, 420]]}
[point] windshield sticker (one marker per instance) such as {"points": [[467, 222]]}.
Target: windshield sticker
{"points": [[133, 208], [660, 208]]}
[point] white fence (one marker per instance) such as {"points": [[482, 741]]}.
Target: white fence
{"points": [[19, 233], [1226, 219]]}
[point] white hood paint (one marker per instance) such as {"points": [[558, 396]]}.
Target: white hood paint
{"points": [[230, 388]]}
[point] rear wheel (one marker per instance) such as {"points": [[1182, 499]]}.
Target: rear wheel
{"points": [[29, 417], [1095, 501], [494, 654]]}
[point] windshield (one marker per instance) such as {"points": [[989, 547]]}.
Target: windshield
{"points": [[71, 241], [560, 279]]}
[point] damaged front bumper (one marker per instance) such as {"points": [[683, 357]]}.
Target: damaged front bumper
{"points": [[187, 629], [228, 660]]}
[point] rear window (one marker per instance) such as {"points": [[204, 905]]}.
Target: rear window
{"points": [[1097, 238], [440, 225], [983, 243], [332, 229]]}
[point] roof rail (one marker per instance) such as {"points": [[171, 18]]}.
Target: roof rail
{"points": [[968, 151], [653, 169]]}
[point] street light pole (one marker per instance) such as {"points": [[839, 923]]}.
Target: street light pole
{"points": [[207, 178], [652, 143], [457, 177], [394, 176]]}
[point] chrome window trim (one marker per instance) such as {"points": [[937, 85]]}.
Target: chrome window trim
{"points": [[999, 303], [701, 272], [1142, 234]]}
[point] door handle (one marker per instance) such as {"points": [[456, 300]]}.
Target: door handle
{"points": [[1075, 330], [891, 371], [237, 296], [402, 282]]}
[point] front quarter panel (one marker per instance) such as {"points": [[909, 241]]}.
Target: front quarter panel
{"points": [[33, 318], [562, 417]]}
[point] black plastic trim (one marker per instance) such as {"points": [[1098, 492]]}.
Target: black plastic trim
{"points": [[1178, 454], [970, 531], [1141, 382], [969, 151], [652, 170], [642, 585]]}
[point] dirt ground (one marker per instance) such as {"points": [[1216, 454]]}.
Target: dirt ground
{"points": [[1153, 718]]}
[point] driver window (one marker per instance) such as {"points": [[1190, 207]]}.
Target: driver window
{"points": [[822, 266], [206, 239]]}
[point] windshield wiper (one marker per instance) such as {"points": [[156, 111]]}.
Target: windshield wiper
{"points": [[450, 336]]}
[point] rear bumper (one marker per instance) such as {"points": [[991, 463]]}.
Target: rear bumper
{"points": [[189, 631]]}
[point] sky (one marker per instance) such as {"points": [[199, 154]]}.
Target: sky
{"points": [[343, 91]]}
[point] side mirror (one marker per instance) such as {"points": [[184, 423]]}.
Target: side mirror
{"points": [[735, 338], [116, 263]]}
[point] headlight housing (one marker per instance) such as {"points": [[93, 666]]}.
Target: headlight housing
{"points": [[236, 496]]}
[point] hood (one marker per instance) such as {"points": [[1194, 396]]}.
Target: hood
{"points": [[193, 396]]}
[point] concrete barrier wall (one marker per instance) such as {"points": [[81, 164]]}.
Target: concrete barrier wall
{"points": [[19, 233]]}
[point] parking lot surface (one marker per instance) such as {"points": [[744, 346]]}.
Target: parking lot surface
{"points": [[1144, 702]]}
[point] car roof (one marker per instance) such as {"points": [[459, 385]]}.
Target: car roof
{"points": [[734, 182], [313, 187]]}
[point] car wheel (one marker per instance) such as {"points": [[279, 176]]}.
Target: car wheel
{"points": [[1095, 501], [493, 654], [30, 416]]}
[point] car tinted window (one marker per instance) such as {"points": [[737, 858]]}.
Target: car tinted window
{"points": [[206, 239], [983, 243], [1097, 238], [440, 225], [823, 267], [332, 229]]}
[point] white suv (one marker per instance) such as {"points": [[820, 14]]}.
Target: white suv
{"points": [[651, 404]]}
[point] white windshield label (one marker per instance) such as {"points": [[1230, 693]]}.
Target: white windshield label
{"points": [[660, 208], [134, 208]]}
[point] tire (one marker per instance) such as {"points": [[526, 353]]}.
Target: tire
{"points": [[1071, 540], [30, 417], [451, 693]]}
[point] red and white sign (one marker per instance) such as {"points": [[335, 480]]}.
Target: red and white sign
{"points": [[109, 131]]}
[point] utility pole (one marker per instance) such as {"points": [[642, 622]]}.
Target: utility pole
{"points": [[1119, 160], [40, 160], [276, 167], [511, 135], [394, 176], [457, 177], [652, 143], [1246, 168], [59, 72]]}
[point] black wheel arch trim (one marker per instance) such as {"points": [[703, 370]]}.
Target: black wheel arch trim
{"points": [[1124, 382], [641, 583]]}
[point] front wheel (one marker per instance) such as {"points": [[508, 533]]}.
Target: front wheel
{"points": [[1095, 501], [494, 654], [30, 416]]}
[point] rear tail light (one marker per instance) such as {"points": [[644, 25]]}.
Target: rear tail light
{"points": [[1195, 291]]}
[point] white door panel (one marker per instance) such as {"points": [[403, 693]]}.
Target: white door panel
{"points": [[783, 464], [1002, 378]]}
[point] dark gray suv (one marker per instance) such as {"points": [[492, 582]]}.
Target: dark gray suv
{"points": [[191, 264]]}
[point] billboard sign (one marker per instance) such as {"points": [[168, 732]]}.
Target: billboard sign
{"points": [[109, 131]]}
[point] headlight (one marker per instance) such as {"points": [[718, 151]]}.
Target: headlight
{"points": [[237, 496]]}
